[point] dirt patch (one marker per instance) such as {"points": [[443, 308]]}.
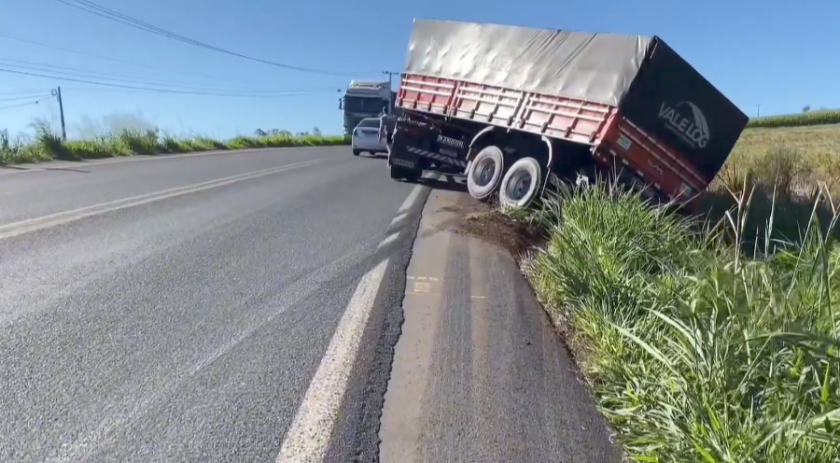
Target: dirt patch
{"points": [[467, 207], [482, 221]]}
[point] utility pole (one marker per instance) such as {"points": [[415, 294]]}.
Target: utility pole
{"points": [[758, 109], [390, 92], [57, 94], [390, 75]]}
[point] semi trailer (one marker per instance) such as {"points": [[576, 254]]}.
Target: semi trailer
{"points": [[515, 109]]}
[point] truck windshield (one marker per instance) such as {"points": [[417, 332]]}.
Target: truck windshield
{"points": [[356, 104]]}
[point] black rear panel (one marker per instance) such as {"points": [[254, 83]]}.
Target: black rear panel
{"points": [[420, 140], [672, 101]]}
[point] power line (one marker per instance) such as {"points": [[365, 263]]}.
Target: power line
{"points": [[97, 88], [22, 97], [20, 92], [106, 58], [25, 104], [107, 13], [82, 73], [172, 91], [113, 76]]}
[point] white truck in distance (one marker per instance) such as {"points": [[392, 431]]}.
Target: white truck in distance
{"points": [[364, 99]]}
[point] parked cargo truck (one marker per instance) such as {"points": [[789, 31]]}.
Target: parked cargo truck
{"points": [[515, 109]]}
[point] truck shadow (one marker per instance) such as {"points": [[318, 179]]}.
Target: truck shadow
{"points": [[446, 182], [379, 156]]}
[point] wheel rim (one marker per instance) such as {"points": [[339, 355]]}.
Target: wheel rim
{"points": [[519, 185], [483, 171]]}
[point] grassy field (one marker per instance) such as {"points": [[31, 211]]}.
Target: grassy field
{"points": [[799, 156], [826, 116], [793, 162], [706, 340], [47, 146]]}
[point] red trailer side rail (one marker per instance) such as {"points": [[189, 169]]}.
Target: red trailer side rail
{"points": [[657, 164], [598, 125]]}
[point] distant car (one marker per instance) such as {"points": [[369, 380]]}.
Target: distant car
{"points": [[366, 137]]}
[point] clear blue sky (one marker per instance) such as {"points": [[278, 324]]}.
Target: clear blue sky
{"points": [[782, 55]]}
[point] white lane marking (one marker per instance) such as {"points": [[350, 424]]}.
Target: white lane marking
{"points": [[409, 201], [310, 432], [398, 219], [61, 218], [390, 239], [307, 439], [138, 158], [403, 213]]}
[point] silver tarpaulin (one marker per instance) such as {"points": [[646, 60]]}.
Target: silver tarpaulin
{"points": [[593, 67]]}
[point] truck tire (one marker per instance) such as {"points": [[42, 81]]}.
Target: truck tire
{"points": [[485, 172], [410, 175], [521, 183], [356, 152]]}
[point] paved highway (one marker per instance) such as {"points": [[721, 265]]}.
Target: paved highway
{"points": [[253, 307], [205, 308]]}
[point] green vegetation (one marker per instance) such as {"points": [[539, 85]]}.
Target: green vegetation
{"points": [[46, 145], [821, 117], [712, 338], [800, 156], [790, 161], [697, 353]]}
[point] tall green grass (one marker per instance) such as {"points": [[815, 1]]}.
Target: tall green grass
{"points": [[695, 352], [47, 145], [830, 116]]}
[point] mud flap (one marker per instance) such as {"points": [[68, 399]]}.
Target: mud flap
{"points": [[400, 155]]}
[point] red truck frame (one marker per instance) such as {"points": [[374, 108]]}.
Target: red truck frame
{"points": [[615, 140]]}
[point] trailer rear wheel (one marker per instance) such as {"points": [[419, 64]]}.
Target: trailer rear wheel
{"points": [[485, 172], [521, 183]]}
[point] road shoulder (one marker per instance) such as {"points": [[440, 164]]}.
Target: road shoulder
{"points": [[479, 373]]}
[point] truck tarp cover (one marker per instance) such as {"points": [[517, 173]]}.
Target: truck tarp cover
{"points": [[593, 67], [663, 94]]}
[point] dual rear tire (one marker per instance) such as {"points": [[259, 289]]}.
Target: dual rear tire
{"points": [[485, 173], [517, 186], [521, 183]]}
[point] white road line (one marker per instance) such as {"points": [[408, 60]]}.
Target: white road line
{"points": [[399, 218], [390, 239], [403, 213], [138, 158], [409, 201], [308, 437], [61, 218]]}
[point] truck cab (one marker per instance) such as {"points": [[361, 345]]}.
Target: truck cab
{"points": [[363, 100]]}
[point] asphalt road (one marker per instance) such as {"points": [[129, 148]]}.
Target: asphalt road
{"points": [[479, 373], [270, 306], [150, 311]]}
